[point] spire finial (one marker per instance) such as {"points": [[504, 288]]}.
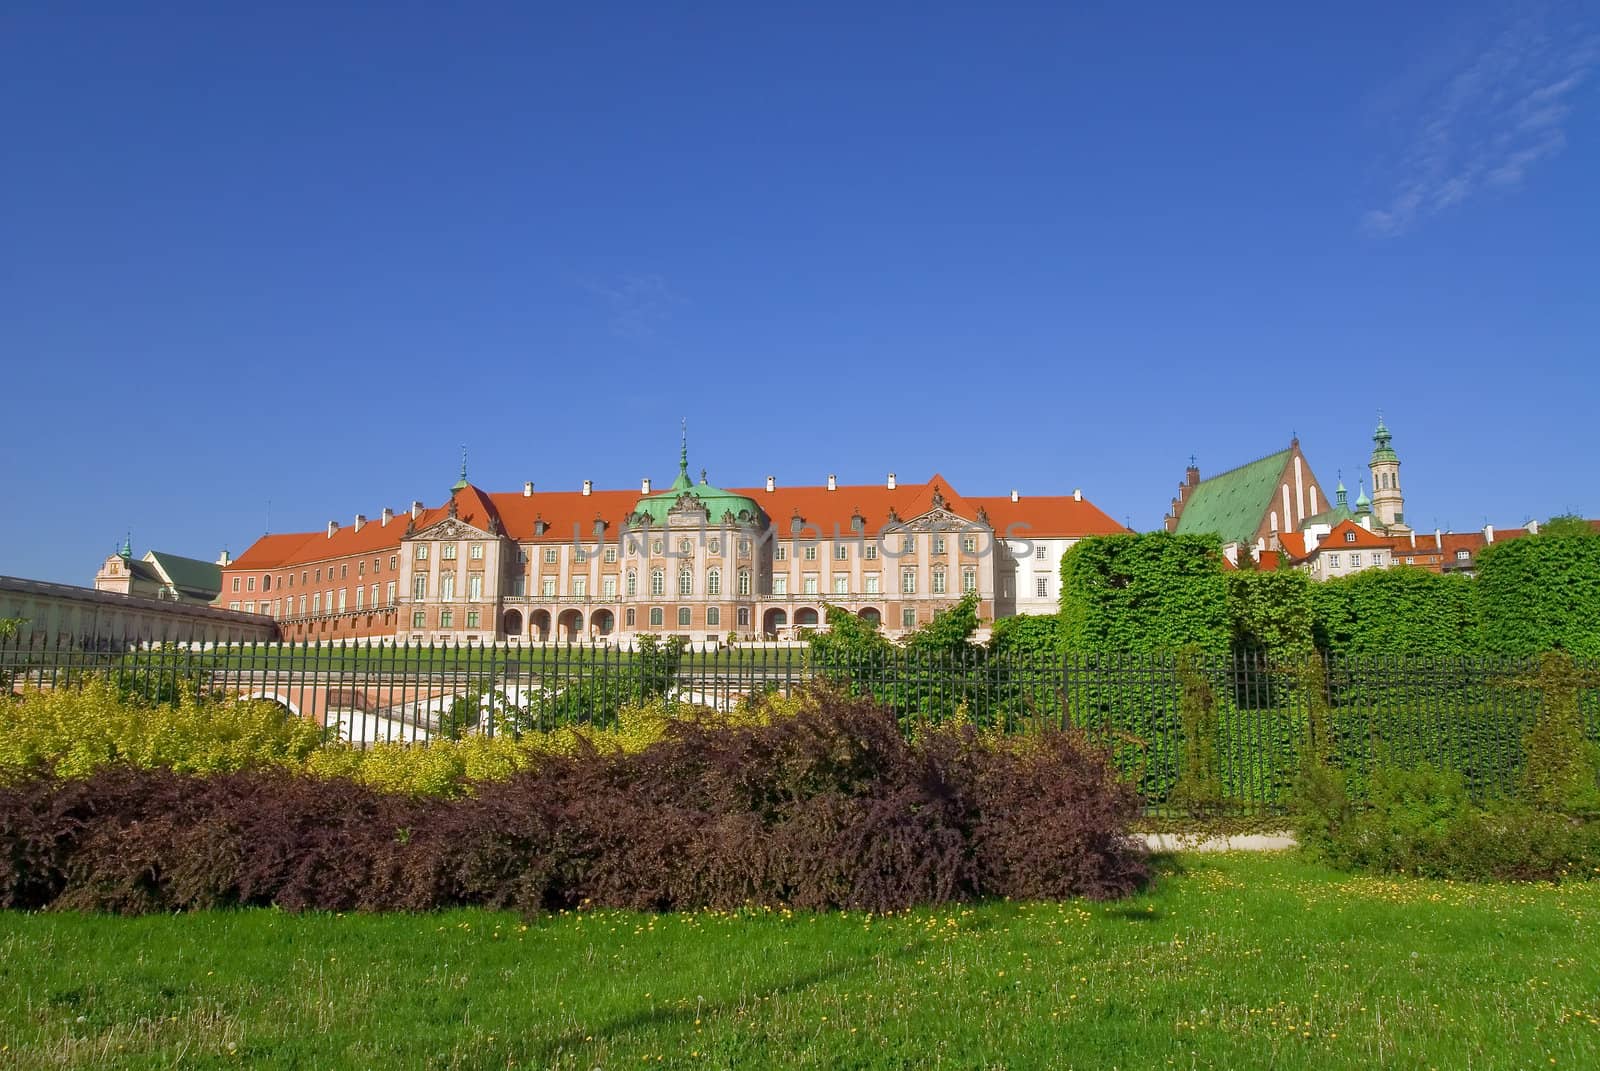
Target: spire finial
{"points": [[1193, 461], [683, 451], [127, 545], [462, 481]]}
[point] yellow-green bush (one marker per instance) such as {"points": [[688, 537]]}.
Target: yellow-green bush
{"points": [[75, 731]]}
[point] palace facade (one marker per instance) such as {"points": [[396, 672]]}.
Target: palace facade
{"points": [[692, 560]]}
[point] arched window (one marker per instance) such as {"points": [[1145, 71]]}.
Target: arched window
{"points": [[658, 582], [744, 582], [714, 582], [633, 583], [685, 582]]}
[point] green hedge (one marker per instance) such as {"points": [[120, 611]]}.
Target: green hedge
{"points": [[1144, 593], [1539, 594]]}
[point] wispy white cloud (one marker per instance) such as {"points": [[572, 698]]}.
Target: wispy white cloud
{"points": [[1488, 120], [636, 305]]}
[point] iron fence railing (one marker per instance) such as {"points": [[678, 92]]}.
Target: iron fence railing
{"points": [[1469, 714]]}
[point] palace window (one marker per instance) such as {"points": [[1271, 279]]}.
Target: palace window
{"points": [[580, 586], [841, 552], [611, 556], [316, 603], [361, 568], [419, 587], [447, 586], [908, 581], [873, 582], [475, 552], [714, 582], [969, 544], [655, 546], [360, 602], [658, 582], [685, 582], [550, 555], [686, 546], [938, 544], [841, 585], [780, 552], [938, 582], [472, 619], [236, 584], [421, 552], [811, 552], [302, 606], [780, 584], [419, 619], [908, 618], [969, 580], [744, 548], [684, 617], [908, 544], [870, 552], [744, 617], [656, 616], [808, 584], [608, 587], [394, 563], [631, 617], [744, 582], [547, 587], [344, 571], [250, 583], [447, 618], [475, 587], [448, 552], [633, 583], [713, 617], [519, 586], [715, 546]]}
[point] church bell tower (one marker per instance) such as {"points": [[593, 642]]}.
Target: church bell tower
{"points": [[1388, 502]]}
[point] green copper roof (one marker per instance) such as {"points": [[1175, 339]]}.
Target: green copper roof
{"points": [[190, 575], [1331, 517], [1232, 503], [714, 500], [1363, 503], [1382, 451]]}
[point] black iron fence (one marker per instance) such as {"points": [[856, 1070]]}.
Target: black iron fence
{"points": [[1197, 734]]}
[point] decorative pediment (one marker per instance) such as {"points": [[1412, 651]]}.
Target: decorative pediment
{"points": [[938, 498], [451, 528], [937, 520]]}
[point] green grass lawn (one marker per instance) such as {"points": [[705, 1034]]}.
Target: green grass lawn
{"points": [[1240, 961]]}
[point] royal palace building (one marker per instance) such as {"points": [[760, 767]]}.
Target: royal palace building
{"points": [[692, 560]]}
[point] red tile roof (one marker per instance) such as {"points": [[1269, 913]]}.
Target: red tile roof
{"points": [[566, 512]]}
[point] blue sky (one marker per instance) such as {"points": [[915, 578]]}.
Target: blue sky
{"points": [[298, 254]]}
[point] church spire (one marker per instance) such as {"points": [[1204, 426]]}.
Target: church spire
{"points": [[683, 482], [461, 483]]}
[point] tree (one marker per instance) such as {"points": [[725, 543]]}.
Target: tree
{"points": [[1567, 524]]}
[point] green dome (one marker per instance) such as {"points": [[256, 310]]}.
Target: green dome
{"points": [[1363, 503], [686, 496], [1382, 451]]}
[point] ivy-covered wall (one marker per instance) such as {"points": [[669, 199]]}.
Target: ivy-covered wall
{"points": [[1539, 594], [1271, 613], [1144, 593]]}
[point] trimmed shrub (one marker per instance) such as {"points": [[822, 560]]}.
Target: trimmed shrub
{"points": [[1541, 593], [830, 808], [1144, 593]]}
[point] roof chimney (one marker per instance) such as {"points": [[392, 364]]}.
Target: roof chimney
{"points": [[1014, 495], [1413, 539], [361, 521], [890, 483], [223, 559], [1438, 539], [588, 487], [1488, 533], [1533, 527], [644, 486], [772, 483], [527, 488], [1077, 494], [833, 482], [333, 526], [386, 516], [416, 510]]}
